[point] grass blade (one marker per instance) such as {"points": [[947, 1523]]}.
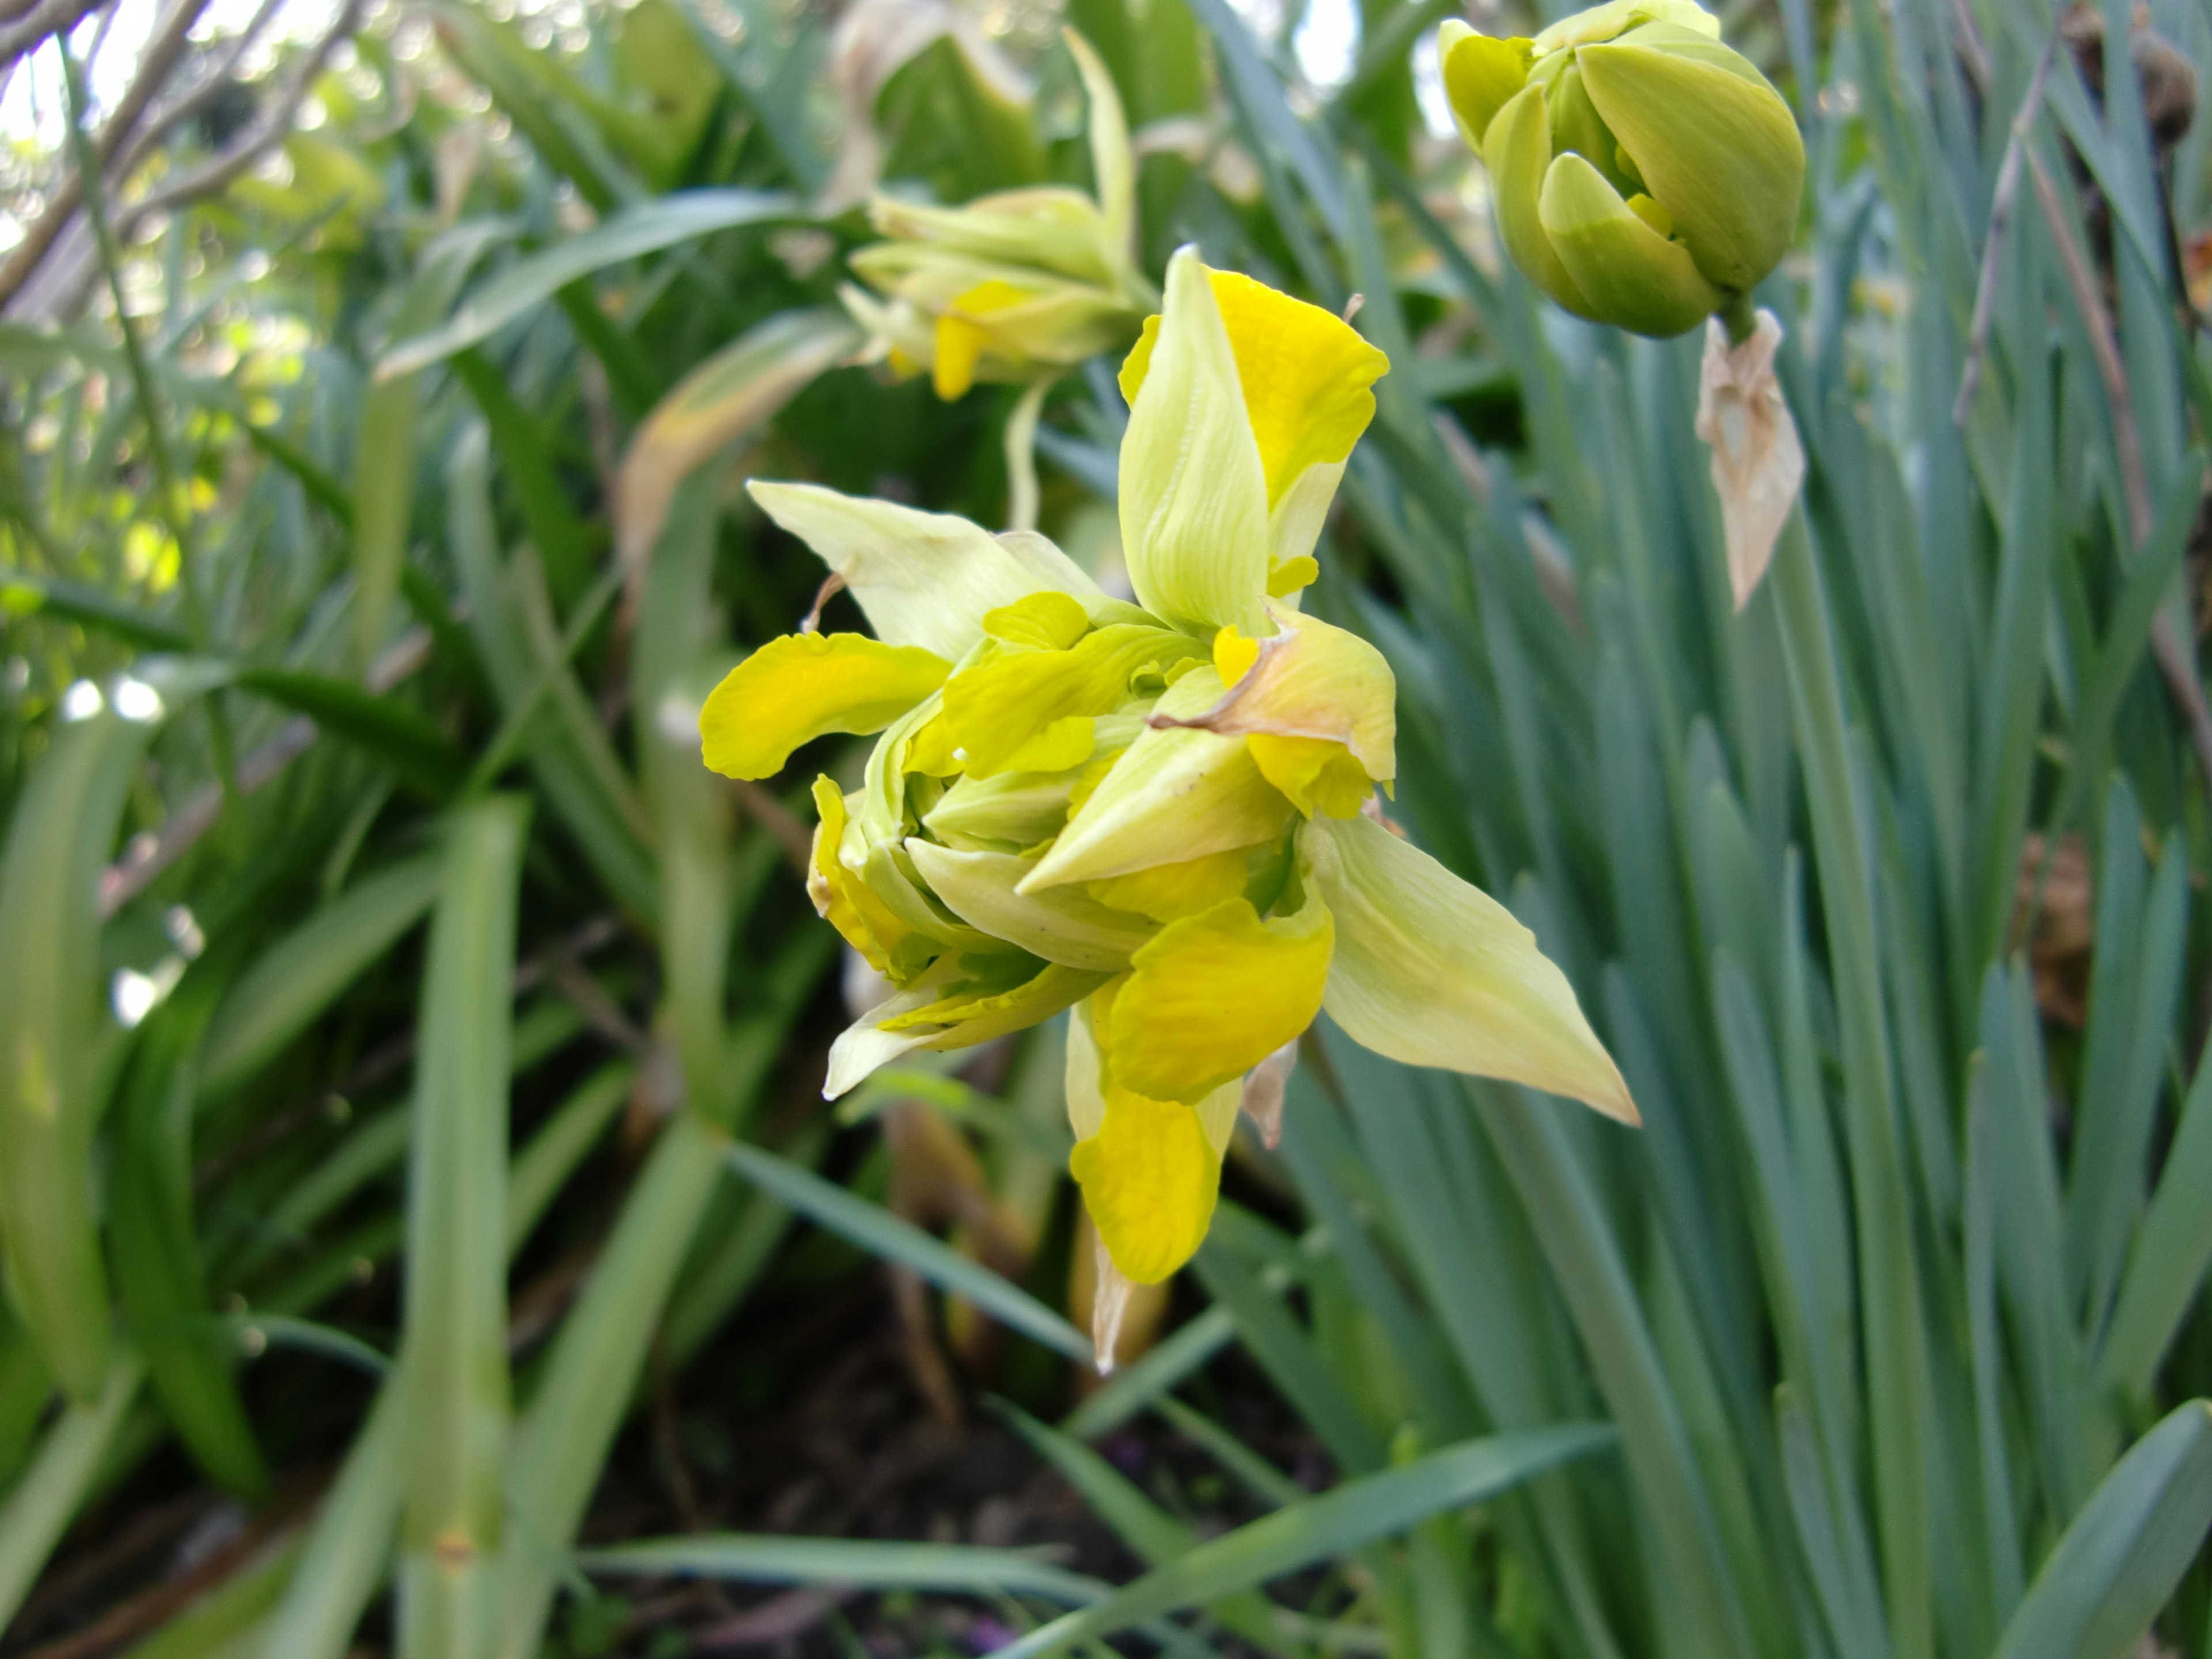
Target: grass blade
{"points": [[880, 1232], [647, 227], [67, 1461], [54, 1035], [292, 982], [2125, 1551], [744, 1558], [453, 1353], [1333, 1524]]}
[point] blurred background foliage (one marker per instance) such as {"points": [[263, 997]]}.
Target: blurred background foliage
{"points": [[409, 1154]]}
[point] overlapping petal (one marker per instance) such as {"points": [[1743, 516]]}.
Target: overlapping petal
{"points": [[1174, 794], [796, 689], [1318, 704], [1431, 971], [1212, 995], [922, 578]]}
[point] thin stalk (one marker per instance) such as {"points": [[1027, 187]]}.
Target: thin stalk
{"points": [[174, 507], [1021, 454], [1895, 1335]]}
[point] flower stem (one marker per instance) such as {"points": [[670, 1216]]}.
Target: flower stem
{"points": [[1739, 317], [1021, 454]]}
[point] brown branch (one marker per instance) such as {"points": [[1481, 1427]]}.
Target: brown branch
{"points": [[1985, 290], [44, 18], [267, 134], [2176, 661], [164, 52]]}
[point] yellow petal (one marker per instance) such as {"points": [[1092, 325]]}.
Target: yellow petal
{"points": [[1305, 375], [841, 897], [1216, 994], [794, 689], [1167, 891], [1174, 794], [960, 345], [965, 332], [1195, 533], [998, 705], [1060, 924], [1316, 774], [1319, 704], [1149, 1169], [1048, 621], [1149, 1180]]}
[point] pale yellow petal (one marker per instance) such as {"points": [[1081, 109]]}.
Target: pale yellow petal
{"points": [[1431, 971]]}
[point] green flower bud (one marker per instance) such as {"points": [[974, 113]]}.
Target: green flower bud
{"points": [[1644, 174]]}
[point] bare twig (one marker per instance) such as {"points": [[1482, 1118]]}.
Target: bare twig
{"points": [[42, 19], [1985, 291], [164, 52], [264, 136], [2176, 661]]}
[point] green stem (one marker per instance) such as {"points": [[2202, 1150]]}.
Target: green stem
{"points": [[1894, 1334], [1021, 454], [1738, 316]]}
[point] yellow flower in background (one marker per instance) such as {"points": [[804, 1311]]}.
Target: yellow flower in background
{"points": [[1158, 814], [1015, 284], [1645, 175]]}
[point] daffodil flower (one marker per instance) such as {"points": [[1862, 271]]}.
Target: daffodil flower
{"points": [[1015, 285], [1158, 815], [1645, 175]]}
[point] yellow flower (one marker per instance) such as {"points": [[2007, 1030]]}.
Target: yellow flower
{"points": [[1156, 814], [1015, 284], [1646, 176]]}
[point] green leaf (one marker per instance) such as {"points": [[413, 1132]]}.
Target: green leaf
{"points": [[562, 1442], [453, 1347], [742, 1558], [645, 227], [876, 1230], [398, 735], [69, 1458], [2124, 1553], [384, 448], [156, 1248], [292, 982], [55, 1036], [1335, 1524]]}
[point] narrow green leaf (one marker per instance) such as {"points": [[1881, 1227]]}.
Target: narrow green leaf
{"points": [[384, 451], [2172, 1249], [292, 983], [738, 1558], [1333, 1524], [155, 1245], [645, 228], [453, 1347], [69, 1458], [53, 1032], [212, 1626], [876, 1230], [1148, 1380], [2124, 1553], [562, 1442], [394, 734]]}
